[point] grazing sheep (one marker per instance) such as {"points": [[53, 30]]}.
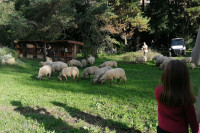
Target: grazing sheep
{"points": [[192, 65], [187, 60], [142, 59], [49, 63], [149, 58], [109, 63], [44, 71], [160, 60], [89, 71], [116, 73], [45, 63], [75, 63], [196, 51], [84, 62], [99, 73], [165, 62], [58, 66], [157, 56], [91, 60], [68, 72]]}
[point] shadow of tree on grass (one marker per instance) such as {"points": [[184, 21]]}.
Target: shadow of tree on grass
{"points": [[45, 118], [97, 120]]}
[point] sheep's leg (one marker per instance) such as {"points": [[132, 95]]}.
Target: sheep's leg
{"points": [[73, 78], [77, 77], [118, 80], [89, 76], [66, 78], [110, 81]]}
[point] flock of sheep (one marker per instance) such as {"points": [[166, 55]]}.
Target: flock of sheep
{"points": [[161, 60], [101, 73]]}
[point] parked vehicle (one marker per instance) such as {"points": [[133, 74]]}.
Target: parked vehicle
{"points": [[177, 47]]}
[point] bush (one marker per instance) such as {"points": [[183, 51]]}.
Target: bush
{"points": [[6, 51], [130, 56]]}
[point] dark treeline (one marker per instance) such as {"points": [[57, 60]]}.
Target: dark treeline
{"points": [[103, 25]]}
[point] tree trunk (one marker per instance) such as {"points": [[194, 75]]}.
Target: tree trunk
{"points": [[196, 50]]}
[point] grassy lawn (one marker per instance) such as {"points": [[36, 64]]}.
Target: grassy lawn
{"points": [[30, 105]]}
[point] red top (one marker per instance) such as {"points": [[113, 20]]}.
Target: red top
{"points": [[176, 119]]}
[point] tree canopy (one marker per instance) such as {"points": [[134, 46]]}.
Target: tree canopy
{"points": [[117, 25]]}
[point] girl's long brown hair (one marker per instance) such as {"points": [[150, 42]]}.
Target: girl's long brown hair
{"points": [[176, 82]]}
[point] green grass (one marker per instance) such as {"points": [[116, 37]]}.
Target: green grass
{"points": [[30, 105]]}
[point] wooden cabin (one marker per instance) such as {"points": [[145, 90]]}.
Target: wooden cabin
{"points": [[65, 50]]}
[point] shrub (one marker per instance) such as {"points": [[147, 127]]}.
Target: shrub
{"points": [[130, 56], [6, 51]]}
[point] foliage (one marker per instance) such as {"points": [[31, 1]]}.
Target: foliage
{"points": [[176, 19], [8, 51], [12, 24]]}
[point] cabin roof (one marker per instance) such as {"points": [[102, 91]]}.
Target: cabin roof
{"points": [[55, 42]]}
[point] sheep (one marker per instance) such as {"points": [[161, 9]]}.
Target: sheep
{"points": [[142, 59], [165, 62], [44, 71], [157, 56], [68, 72], [192, 65], [49, 63], [75, 63], [196, 51], [99, 73], [160, 60], [45, 63], [109, 63], [91, 60], [58, 66], [116, 73], [84, 62], [187, 60], [89, 71], [149, 58]]}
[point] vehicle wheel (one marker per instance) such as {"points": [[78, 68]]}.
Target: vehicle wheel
{"points": [[170, 54]]}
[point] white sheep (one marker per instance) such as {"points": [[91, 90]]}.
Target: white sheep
{"points": [[89, 71], [68, 72], [75, 63], [160, 60], [164, 63], [116, 73], [58, 66], [192, 65], [187, 60], [157, 56], [46, 63], [84, 62], [109, 63], [44, 71], [99, 73], [142, 59], [91, 60], [149, 58]]}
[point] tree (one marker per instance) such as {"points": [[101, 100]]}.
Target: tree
{"points": [[171, 20], [125, 19], [12, 24]]}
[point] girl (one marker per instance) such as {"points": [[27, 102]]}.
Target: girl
{"points": [[176, 100]]}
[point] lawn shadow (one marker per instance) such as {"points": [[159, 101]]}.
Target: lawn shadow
{"points": [[97, 120], [46, 118]]}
